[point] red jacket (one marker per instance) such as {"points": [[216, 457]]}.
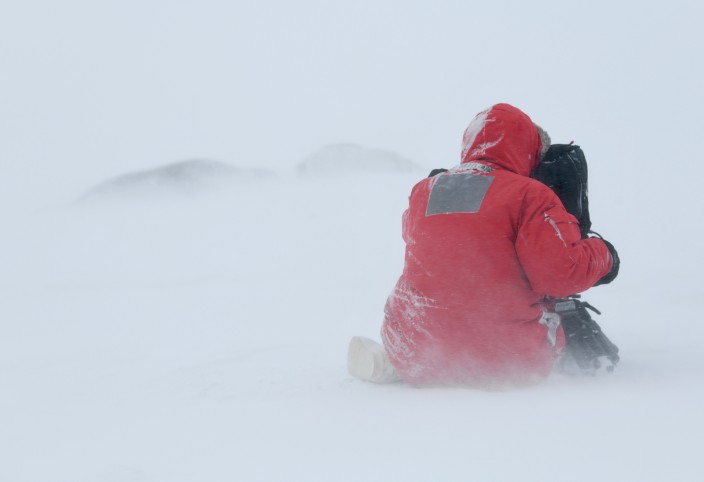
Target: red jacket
{"points": [[485, 244]]}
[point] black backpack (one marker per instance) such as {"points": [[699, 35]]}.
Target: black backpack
{"points": [[564, 170]]}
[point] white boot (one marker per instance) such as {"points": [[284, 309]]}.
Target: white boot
{"points": [[367, 360]]}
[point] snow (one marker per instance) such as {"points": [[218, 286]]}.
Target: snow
{"points": [[176, 334], [341, 159], [204, 337], [190, 176], [474, 128]]}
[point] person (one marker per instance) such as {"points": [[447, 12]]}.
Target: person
{"points": [[488, 250]]}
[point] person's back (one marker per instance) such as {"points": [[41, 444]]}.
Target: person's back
{"points": [[485, 244]]}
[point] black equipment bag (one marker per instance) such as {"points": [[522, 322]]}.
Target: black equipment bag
{"points": [[564, 170]]}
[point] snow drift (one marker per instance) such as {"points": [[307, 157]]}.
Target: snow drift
{"points": [[350, 158], [184, 177]]}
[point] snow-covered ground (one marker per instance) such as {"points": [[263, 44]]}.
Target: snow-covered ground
{"points": [[202, 336]]}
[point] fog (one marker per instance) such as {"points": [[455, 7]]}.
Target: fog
{"points": [[92, 90], [201, 204]]}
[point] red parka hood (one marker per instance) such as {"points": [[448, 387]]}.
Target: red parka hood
{"points": [[502, 136]]}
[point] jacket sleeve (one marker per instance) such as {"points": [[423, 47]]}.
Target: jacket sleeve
{"points": [[556, 261]]}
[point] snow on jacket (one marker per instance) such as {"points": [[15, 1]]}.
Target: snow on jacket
{"points": [[485, 244]]}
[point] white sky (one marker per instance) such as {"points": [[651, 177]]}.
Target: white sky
{"points": [[93, 89]]}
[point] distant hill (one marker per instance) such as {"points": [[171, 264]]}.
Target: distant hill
{"points": [[346, 158], [184, 177]]}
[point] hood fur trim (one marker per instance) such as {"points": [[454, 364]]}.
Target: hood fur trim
{"points": [[544, 141]]}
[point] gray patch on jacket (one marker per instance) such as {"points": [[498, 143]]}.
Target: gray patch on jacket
{"points": [[458, 193]]}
